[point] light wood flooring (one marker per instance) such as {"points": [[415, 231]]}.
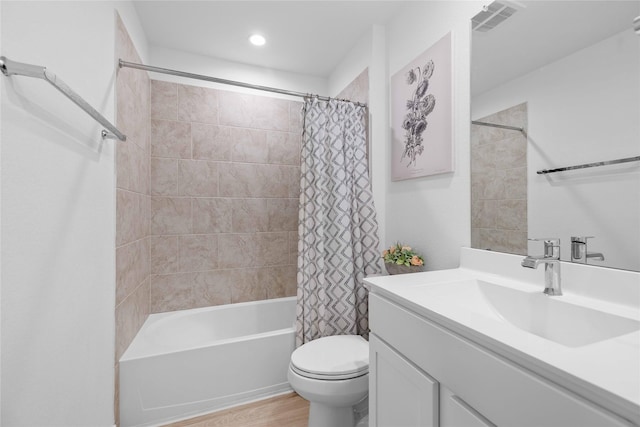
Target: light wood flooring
{"points": [[287, 410]]}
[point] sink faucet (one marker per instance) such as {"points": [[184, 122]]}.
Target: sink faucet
{"points": [[579, 251], [551, 261]]}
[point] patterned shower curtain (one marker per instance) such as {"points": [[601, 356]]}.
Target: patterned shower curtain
{"points": [[338, 233]]}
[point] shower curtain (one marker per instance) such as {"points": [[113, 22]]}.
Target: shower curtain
{"points": [[337, 233]]}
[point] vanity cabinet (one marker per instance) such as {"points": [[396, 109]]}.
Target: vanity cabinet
{"points": [[423, 374], [404, 394]]}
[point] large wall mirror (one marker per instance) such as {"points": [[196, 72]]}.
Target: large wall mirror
{"points": [[561, 80]]}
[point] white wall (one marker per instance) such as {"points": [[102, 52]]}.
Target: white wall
{"points": [[432, 214], [214, 67], [583, 108], [58, 222]]}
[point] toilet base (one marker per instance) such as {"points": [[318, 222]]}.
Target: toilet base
{"points": [[321, 415]]}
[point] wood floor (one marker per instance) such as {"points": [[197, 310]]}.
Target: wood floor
{"points": [[287, 410]]}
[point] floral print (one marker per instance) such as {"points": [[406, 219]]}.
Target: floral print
{"points": [[418, 108]]}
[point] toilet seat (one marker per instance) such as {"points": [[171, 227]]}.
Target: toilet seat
{"points": [[337, 357]]}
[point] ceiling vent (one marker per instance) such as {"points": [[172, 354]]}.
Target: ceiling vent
{"points": [[492, 15]]}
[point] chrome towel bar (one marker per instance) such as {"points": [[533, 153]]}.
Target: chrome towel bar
{"points": [[495, 125], [590, 165], [10, 68]]}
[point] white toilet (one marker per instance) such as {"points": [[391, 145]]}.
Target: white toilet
{"points": [[332, 373]]}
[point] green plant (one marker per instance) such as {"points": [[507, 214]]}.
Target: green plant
{"points": [[402, 255]]}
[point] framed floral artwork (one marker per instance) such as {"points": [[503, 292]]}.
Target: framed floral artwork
{"points": [[421, 115]]}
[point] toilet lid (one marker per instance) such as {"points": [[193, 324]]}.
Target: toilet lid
{"points": [[335, 357]]}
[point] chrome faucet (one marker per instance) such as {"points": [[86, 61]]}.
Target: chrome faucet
{"points": [[551, 261], [579, 251]]}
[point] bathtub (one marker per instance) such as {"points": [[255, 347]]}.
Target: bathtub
{"points": [[187, 363]]}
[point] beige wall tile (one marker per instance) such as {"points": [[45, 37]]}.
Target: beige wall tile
{"points": [[132, 167], [249, 145], [147, 215], [295, 117], [170, 139], [283, 148], [212, 215], [164, 176], [282, 214], [515, 183], [132, 268], [358, 89], [198, 252], [130, 315], [170, 215], [197, 104], [512, 215], [164, 254], [132, 198], [211, 142], [212, 287], [221, 231], [239, 250], [247, 286], [130, 217], [510, 241], [197, 178], [293, 181], [132, 105], [483, 158], [249, 215], [171, 292], [251, 111], [272, 249], [489, 185], [243, 180], [164, 100], [484, 213], [482, 135], [499, 183], [511, 152], [280, 281]]}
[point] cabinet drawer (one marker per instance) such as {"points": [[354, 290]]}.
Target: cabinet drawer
{"points": [[503, 392]]}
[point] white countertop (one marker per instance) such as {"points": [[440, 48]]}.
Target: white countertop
{"points": [[606, 372]]}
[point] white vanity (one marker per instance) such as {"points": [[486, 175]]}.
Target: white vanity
{"points": [[481, 345]]}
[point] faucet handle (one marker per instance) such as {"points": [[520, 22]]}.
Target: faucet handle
{"points": [[581, 239], [551, 246]]}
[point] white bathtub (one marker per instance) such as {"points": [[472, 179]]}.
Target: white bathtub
{"points": [[186, 363]]}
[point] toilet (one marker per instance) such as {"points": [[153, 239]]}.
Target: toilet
{"points": [[332, 373]]}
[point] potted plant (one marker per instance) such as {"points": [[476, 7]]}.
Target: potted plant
{"points": [[400, 259]]}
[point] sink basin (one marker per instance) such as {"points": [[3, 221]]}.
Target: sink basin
{"points": [[551, 318]]}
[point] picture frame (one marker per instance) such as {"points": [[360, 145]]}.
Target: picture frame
{"points": [[422, 114]]}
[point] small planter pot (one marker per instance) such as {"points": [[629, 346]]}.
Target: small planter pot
{"points": [[403, 269]]}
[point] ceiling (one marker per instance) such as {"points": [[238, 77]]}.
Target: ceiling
{"points": [[307, 37], [541, 32], [312, 37]]}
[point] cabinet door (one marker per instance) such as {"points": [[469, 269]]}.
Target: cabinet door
{"points": [[454, 412], [400, 394]]}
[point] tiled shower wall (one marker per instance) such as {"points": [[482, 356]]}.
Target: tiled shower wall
{"points": [[224, 185], [207, 195], [132, 198], [499, 183]]}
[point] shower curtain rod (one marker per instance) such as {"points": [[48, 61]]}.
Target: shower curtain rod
{"points": [[494, 125], [10, 68], [123, 63]]}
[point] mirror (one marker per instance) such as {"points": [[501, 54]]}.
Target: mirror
{"points": [[567, 74]]}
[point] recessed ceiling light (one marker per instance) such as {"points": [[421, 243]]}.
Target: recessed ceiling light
{"points": [[257, 40]]}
